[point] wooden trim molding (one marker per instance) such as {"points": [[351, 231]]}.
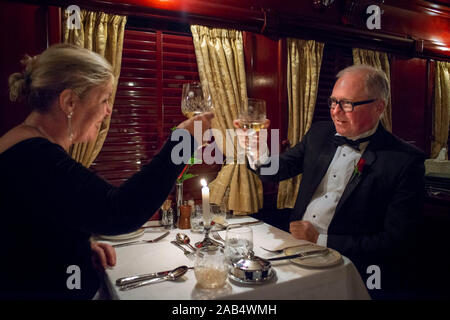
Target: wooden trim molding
{"points": [[409, 27]]}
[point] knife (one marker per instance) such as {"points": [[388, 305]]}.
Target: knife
{"points": [[301, 254], [127, 280], [240, 223], [141, 241]]}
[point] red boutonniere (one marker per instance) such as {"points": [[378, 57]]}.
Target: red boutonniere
{"points": [[358, 168]]}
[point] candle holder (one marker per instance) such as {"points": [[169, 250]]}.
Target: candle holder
{"points": [[207, 241]]}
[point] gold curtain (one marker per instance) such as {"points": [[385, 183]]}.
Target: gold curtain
{"points": [[102, 33], [220, 59], [441, 114], [303, 70], [380, 61]]}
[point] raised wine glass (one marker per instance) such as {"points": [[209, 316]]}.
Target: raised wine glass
{"points": [[252, 116], [195, 99]]}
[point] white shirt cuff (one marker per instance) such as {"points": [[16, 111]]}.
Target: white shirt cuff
{"points": [[322, 240]]}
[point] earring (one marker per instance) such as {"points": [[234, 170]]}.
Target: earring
{"points": [[69, 125]]}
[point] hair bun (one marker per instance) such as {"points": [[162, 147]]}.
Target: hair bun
{"points": [[18, 86], [20, 82]]}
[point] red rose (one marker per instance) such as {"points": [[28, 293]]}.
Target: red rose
{"points": [[361, 164]]}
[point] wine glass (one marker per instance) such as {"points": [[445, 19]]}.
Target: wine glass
{"points": [[251, 116], [195, 99]]}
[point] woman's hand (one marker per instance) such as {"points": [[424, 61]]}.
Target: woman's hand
{"points": [[103, 255], [205, 119]]}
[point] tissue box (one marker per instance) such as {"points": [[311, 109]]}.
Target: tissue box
{"points": [[438, 167]]}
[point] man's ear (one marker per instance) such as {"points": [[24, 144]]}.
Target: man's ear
{"points": [[67, 101], [381, 106]]}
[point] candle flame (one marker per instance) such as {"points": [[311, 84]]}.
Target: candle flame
{"points": [[203, 182]]}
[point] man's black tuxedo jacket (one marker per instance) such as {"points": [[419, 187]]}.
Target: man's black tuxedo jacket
{"points": [[378, 216]]}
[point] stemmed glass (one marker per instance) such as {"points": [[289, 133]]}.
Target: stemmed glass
{"points": [[195, 99], [251, 116]]}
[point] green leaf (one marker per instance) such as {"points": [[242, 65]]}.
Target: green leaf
{"points": [[189, 175]]}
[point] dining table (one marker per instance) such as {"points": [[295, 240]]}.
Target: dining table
{"points": [[290, 281]]}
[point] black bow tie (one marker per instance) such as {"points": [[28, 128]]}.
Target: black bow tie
{"points": [[340, 140]]}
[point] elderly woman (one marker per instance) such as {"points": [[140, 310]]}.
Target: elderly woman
{"points": [[50, 204]]}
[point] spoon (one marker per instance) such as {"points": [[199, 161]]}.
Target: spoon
{"points": [[184, 239], [172, 275]]}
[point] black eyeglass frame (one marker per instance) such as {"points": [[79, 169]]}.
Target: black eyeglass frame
{"points": [[353, 104]]}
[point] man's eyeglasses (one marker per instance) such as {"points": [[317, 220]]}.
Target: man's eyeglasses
{"points": [[346, 106]]}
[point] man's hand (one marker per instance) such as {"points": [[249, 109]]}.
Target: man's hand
{"points": [[249, 141], [304, 230], [103, 255]]}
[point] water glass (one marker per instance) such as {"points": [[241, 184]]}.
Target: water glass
{"points": [[197, 219], [219, 213], [167, 218], [238, 243], [210, 267]]}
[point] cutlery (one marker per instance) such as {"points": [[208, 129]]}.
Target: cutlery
{"points": [[172, 275], [284, 248], [217, 236], [156, 226], [237, 224], [301, 255], [142, 277], [184, 239], [141, 241], [187, 253]]}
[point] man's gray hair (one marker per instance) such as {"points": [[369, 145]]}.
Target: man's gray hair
{"points": [[377, 83]]}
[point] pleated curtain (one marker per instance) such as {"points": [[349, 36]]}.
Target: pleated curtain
{"points": [[304, 59], [441, 109], [220, 59]]}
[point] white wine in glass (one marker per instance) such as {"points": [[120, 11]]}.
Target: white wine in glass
{"points": [[195, 99], [252, 116], [254, 125]]}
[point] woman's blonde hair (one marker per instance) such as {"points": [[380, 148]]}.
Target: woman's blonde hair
{"points": [[60, 67]]}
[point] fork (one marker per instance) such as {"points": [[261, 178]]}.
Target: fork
{"points": [[217, 236], [187, 253], [141, 241], [282, 249]]}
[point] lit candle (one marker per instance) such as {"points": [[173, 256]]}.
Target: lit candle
{"points": [[205, 202]]}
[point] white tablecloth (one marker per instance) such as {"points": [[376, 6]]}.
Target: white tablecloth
{"points": [[292, 281]]}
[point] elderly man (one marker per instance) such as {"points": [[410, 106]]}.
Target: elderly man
{"points": [[362, 188]]}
